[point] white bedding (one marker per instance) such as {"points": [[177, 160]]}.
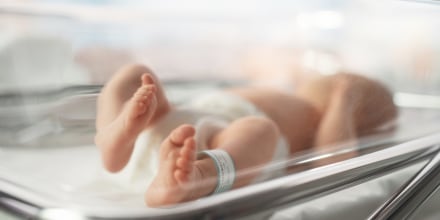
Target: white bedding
{"points": [[357, 202]]}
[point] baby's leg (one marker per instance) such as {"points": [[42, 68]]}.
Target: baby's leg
{"points": [[130, 101], [249, 141]]}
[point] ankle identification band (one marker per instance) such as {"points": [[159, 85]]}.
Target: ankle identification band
{"points": [[225, 169]]}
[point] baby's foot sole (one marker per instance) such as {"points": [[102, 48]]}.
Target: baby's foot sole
{"points": [[141, 100], [141, 108], [176, 169]]}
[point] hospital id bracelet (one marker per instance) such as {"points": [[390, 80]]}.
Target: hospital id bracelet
{"points": [[225, 169]]}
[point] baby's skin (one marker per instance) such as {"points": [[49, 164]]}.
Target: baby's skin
{"points": [[328, 111]]}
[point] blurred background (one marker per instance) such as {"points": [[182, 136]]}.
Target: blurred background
{"points": [[54, 50], [59, 42]]}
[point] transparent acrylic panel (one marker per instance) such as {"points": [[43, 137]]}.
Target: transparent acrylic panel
{"points": [[56, 57]]}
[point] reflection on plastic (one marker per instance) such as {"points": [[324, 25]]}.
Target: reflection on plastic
{"points": [[52, 214]]}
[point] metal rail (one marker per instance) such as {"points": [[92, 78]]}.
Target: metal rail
{"points": [[271, 196], [406, 201], [275, 195]]}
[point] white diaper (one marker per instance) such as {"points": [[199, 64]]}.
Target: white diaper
{"points": [[209, 114]]}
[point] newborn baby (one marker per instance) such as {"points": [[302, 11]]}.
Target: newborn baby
{"points": [[196, 149]]}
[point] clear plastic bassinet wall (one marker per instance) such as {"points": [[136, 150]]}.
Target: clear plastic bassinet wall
{"points": [[53, 50], [55, 56]]}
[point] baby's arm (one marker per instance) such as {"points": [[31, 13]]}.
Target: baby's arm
{"points": [[337, 125]]}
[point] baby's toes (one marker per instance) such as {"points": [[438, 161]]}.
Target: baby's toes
{"points": [[188, 149], [143, 93], [148, 89], [144, 90], [179, 136], [187, 155], [138, 105], [147, 79], [141, 100], [184, 164], [181, 176]]}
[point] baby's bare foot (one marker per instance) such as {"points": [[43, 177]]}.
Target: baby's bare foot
{"points": [[176, 169], [140, 109]]}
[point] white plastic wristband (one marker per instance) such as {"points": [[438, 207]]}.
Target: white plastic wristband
{"points": [[225, 169]]}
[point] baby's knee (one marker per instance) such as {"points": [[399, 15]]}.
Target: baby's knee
{"points": [[263, 127]]}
